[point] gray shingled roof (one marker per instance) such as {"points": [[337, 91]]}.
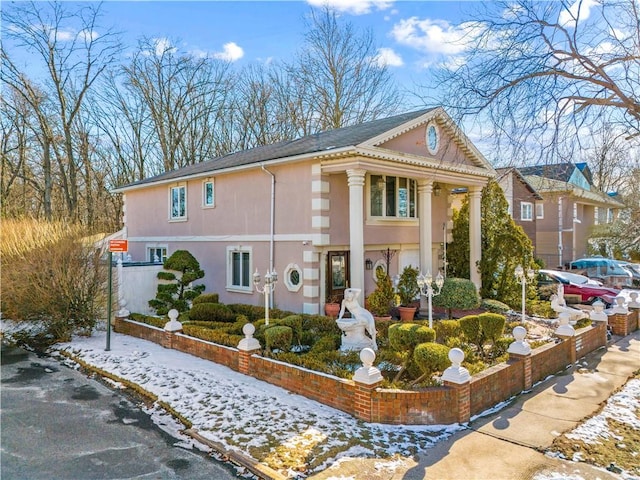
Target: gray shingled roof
{"points": [[557, 171], [329, 140]]}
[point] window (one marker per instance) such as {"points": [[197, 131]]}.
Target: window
{"points": [[526, 211], [539, 211], [156, 254], [433, 140], [596, 216], [393, 197], [576, 219], [293, 277], [610, 215], [208, 196], [239, 269], [178, 202]]}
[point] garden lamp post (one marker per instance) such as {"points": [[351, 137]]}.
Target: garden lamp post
{"points": [[270, 280], [523, 280], [425, 283]]}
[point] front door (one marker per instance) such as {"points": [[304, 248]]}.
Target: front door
{"points": [[337, 275]]}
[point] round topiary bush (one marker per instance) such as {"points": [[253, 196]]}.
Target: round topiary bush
{"points": [[212, 312], [457, 293], [405, 336], [494, 306], [431, 358], [278, 337]]}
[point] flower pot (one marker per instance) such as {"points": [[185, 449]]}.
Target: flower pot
{"points": [[407, 313], [331, 309]]}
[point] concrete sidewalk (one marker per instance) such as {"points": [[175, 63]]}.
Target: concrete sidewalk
{"points": [[509, 444]]}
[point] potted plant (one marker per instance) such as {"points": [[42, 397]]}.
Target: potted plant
{"points": [[381, 300], [332, 307], [408, 290]]}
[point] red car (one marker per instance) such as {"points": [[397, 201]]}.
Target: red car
{"points": [[574, 284]]}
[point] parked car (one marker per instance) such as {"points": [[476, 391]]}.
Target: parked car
{"points": [[607, 270], [588, 289], [634, 269]]}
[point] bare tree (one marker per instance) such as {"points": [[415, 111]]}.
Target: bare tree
{"points": [[542, 71], [185, 99], [67, 44], [337, 76]]}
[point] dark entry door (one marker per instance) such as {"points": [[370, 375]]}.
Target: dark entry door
{"points": [[337, 275]]}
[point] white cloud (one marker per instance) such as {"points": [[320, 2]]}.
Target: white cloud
{"points": [[354, 7], [387, 57], [578, 12], [162, 46], [231, 52], [88, 35], [434, 36]]}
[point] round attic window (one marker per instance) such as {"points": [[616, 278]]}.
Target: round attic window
{"points": [[433, 138]]}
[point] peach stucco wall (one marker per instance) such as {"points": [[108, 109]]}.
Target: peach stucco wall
{"points": [[414, 142]]}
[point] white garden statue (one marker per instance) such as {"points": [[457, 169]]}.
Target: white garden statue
{"points": [[559, 305], [359, 331]]}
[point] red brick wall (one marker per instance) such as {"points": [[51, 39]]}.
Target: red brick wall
{"points": [[333, 391], [437, 405], [623, 324], [496, 384]]}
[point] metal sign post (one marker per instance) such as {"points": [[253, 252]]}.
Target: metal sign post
{"points": [[119, 246]]}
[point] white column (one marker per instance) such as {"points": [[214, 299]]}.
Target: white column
{"points": [[475, 234], [425, 189], [356, 226]]}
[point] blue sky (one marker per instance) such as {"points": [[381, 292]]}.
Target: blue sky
{"points": [[411, 34]]}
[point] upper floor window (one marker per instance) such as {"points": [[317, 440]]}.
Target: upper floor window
{"points": [[239, 268], [178, 202], [539, 210], [526, 211], [596, 216], [208, 194], [393, 197]]}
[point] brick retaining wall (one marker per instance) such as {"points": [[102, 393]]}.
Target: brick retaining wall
{"points": [[451, 403]]}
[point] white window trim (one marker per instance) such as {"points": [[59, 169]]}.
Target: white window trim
{"points": [[186, 213], [149, 246], [286, 280], [380, 263], [377, 219], [204, 194], [529, 218], [539, 211], [433, 125], [596, 216], [235, 288]]}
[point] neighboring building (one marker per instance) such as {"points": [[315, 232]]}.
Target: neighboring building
{"points": [[571, 206], [525, 203], [319, 210]]}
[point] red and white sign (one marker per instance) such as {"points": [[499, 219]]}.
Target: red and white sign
{"points": [[118, 246]]}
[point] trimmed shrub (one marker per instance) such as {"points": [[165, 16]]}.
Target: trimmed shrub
{"points": [[278, 337], [492, 325], [447, 329], [295, 322], [206, 298], [500, 346], [212, 335], [212, 312], [405, 336], [431, 358], [583, 322], [177, 293], [541, 308], [494, 306], [380, 301], [470, 326], [458, 293]]}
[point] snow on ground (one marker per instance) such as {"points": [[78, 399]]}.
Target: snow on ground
{"points": [[248, 415]]}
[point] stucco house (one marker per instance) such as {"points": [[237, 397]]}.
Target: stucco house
{"points": [[318, 210], [525, 203], [571, 205]]}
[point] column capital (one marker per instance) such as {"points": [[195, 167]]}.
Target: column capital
{"points": [[475, 191], [425, 186], [355, 176]]}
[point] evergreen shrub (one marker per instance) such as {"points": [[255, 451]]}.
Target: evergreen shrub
{"points": [[457, 293], [494, 306], [431, 357], [212, 312], [278, 337], [447, 329], [206, 298], [492, 325]]}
